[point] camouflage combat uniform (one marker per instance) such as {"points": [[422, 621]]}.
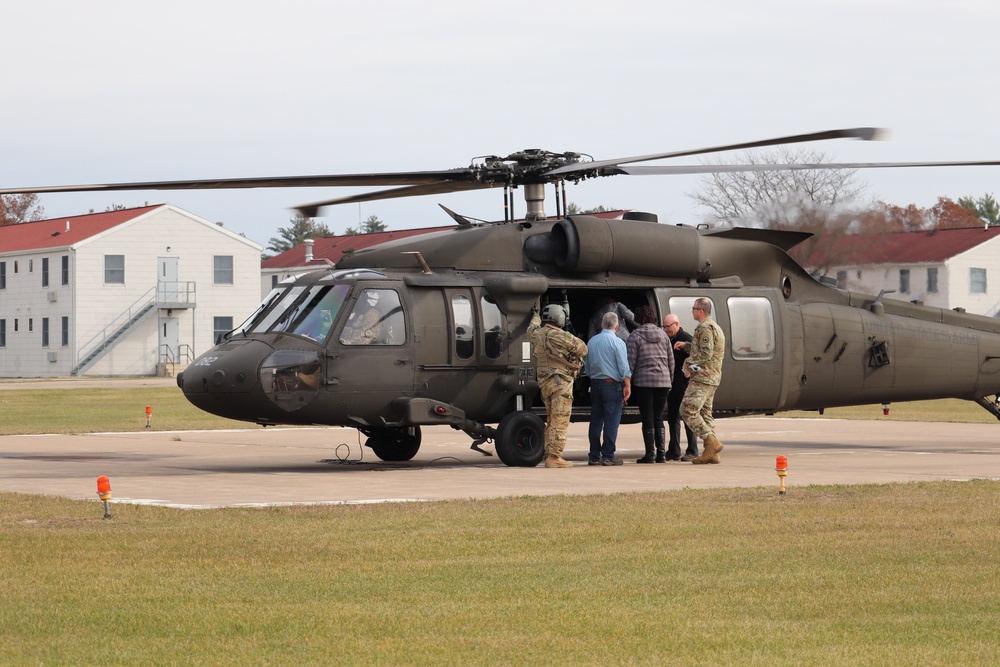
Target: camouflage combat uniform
{"points": [[706, 351], [558, 358], [362, 329]]}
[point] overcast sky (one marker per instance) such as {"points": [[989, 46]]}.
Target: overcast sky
{"points": [[112, 91]]}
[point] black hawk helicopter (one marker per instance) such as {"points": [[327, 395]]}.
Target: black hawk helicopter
{"points": [[432, 329]]}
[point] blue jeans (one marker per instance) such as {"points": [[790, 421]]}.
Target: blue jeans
{"points": [[606, 402]]}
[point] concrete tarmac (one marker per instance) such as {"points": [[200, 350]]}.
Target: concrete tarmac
{"points": [[256, 466]]}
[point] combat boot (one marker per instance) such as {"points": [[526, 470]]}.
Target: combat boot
{"points": [[660, 439], [557, 462], [710, 453], [647, 441]]}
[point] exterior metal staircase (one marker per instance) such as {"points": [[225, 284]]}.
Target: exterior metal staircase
{"points": [[156, 297]]}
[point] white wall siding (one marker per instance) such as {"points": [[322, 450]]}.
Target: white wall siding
{"points": [[92, 305]]}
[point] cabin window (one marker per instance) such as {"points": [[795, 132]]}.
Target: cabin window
{"points": [[45, 332], [314, 312], [904, 281], [461, 310], [223, 269], [65, 332], [220, 327], [45, 271], [681, 307], [114, 269], [376, 319], [751, 324], [932, 280], [492, 328], [977, 281]]}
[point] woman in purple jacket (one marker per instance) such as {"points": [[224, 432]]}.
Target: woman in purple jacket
{"points": [[651, 359]]}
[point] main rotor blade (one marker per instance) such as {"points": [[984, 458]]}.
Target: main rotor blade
{"points": [[396, 178], [862, 133], [312, 210], [735, 168]]}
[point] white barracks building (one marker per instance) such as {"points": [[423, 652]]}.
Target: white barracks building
{"points": [[138, 291]]}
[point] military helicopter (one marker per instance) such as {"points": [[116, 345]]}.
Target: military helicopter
{"points": [[433, 329]]}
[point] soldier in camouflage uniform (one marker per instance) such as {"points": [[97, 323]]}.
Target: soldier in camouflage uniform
{"points": [[558, 358], [703, 367]]}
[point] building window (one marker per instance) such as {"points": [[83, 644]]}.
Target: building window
{"points": [[274, 281], [3, 333], [65, 269], [3, 275], [31, 266], [904, 281], [45, 271], [932, 280], [15, 325], [221, 326], [977, 281], [15, 266], [223, 269], [842, 279], [31, 324], [114, 269], [45, 332], [65, 332]]}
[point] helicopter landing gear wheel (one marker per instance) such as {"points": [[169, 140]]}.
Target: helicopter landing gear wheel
{"points": [[398, 444], [521, 439]]}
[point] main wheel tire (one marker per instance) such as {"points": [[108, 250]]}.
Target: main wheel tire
{"points": [[395, 445], [521, 439]]}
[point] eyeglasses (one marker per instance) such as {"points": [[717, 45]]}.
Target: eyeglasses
{"points": [[694, 309]]}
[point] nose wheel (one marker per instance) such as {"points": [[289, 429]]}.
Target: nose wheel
{"points": [[398, 444]]}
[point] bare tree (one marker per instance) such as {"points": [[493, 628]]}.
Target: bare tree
{"points": [[807, 200], [15, 209]]}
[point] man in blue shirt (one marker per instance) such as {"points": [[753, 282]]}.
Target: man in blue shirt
{"points": [[610, 386]]}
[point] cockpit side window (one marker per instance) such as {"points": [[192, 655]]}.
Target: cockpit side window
{"points": [[376, 319]]}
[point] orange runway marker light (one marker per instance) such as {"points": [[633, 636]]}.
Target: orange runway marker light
{"points": [[781, 467], [149, 415], [104, 493]]}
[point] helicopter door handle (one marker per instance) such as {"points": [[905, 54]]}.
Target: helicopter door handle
{"points": [[402, 362]]}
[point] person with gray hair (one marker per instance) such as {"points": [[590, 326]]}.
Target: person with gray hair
{"points": [[610, 386]]}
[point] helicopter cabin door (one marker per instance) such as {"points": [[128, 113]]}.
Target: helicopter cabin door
{"points": [[750, 318], [461, 345]]}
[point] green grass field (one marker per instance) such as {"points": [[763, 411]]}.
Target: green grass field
{"points": [[886, 575], [901, 574], [123, 409]]}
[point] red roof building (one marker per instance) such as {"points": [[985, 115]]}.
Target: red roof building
{"points": [[946, 268]]}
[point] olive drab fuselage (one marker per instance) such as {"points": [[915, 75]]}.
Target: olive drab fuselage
{"points": [[454, 346]]}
